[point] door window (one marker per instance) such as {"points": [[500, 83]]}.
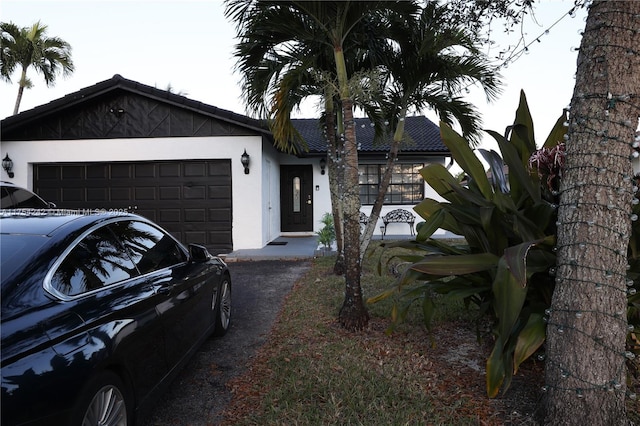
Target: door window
{"points": [[98, 260], [296, 194], [149, 247]]}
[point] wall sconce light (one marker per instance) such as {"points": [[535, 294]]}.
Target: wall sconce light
{"points": [[244, 159], [7, 165], [323, 165], [117, 111]]}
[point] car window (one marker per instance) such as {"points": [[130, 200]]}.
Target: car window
{"points": [[96, 261], [22, 199], [149, 247], [5, 198]]}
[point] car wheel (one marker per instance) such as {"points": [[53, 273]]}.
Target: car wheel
{"points": [[222, 308], [104, 402]]}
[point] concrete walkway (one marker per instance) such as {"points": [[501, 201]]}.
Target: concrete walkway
{"points": [[297, 248], [282, 248]]}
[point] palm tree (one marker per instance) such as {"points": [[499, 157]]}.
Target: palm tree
{"points": [[289, 30], [589, 304], [429, 61], [29, 47]]}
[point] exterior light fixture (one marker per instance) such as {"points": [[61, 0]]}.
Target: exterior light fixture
{"points": [[7, 165], [244, 159], [382, 232], [323, 165]]}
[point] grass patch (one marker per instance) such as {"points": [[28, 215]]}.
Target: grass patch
{"points": [[311, 371]]}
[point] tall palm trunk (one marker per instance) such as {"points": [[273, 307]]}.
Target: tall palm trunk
{"points": [[585, 368], [21, 85], [353, 314], [383, 188], [336, 180]]}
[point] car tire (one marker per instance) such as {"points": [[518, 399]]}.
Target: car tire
{"points": [[104, 401], [222, 309]]}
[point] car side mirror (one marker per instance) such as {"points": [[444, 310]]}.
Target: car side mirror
{"points": [[198, 253]]}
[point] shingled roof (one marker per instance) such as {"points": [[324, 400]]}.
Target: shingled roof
{"points": [[423, 136], [118, 84], [59, 119]]}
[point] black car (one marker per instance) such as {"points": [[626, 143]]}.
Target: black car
{"points": [[15, 197], [98, 313]]}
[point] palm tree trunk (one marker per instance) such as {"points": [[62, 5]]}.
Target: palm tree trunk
{"points": [[334, 146], [585, 368], [382, 191], [21, 86], [353, 314]]}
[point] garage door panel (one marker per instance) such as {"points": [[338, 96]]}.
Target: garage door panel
{"points": [[146, 193], [194, 215], [195, 169], [220, 169], [97, 194], [120, 194], [48, 172], [220, 215], [145, 170], [195, 193], [191, 199], [169, 170], [119, 171], [170, 216], [70, 195], [73, 172], [98, 171], [170, 193], [219, 192]]}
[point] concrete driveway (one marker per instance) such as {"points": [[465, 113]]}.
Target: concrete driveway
{"points": [[199, 394]]}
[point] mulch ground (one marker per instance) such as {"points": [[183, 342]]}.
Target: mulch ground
{"points": [[452, 370]]}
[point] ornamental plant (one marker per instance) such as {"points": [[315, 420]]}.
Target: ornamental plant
{"points": [[327, 235], [505, 263]]}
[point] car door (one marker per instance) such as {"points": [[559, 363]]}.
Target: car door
{"points": [[186, 295], [100, 284]]}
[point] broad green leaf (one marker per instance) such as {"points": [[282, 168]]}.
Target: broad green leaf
{"points": [[496, 165], [557, 133], [495, 369], [515, 258], [428, 309], [509, 298], [441, 181], [382, 296], [465, 157], [523, 126], [529, 340], [432, 224], [456, 265], [519, 177]]}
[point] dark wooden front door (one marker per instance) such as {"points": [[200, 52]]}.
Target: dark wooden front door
{"points": [[296, 198]]}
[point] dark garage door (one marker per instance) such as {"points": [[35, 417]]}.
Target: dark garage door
{"points": [[191, 199]]}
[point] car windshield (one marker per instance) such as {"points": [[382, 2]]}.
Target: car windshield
{"points": [[16, 251]]}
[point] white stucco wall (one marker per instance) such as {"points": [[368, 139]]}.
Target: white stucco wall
{"points": [[246, 188]]}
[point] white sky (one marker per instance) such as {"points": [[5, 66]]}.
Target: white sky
{"points": [[189, 45]]}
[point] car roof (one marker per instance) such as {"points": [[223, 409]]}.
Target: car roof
{"points": [[47, 221]]}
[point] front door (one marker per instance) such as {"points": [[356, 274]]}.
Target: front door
{"points": [[296, 198]]}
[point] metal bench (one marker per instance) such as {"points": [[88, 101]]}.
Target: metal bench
{"points": [[364, 219], [398, 216]]}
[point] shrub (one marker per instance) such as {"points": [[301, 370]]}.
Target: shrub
{"points": [[508, 223]]}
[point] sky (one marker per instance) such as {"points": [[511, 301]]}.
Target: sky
{"points": [[188, 45]]}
